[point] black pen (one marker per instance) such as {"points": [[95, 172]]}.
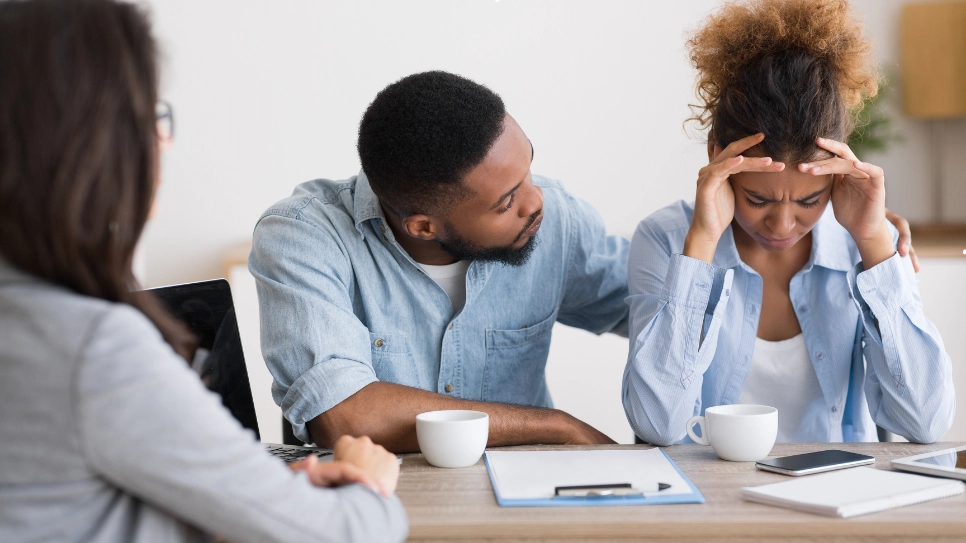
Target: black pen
{"points": [[616, 489]]}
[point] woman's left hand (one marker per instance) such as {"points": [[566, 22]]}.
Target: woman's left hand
{"points": [[858, 200]]}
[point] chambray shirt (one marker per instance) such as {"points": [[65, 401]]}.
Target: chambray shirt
{"points": [[693, 328], [343, 304]]}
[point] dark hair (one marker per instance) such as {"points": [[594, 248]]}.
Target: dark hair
{"points": [[422, 134], [794, 70], [78, 147]]}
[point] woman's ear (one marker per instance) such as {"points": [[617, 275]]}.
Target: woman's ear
{"points": [[713, 149]]}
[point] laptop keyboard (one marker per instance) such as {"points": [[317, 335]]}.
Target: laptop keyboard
{"points": [[293, 454]]}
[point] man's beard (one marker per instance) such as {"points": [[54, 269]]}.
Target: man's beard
{"points": [[462, 249]]}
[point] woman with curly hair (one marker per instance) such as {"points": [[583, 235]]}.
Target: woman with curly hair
{"points": [[756, 293]]}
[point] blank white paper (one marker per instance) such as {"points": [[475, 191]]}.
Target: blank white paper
{"points": [[522, 475]]}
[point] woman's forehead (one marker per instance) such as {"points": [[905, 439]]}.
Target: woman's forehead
{"points": [[789, 184]]}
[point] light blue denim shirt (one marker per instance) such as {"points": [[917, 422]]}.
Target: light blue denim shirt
{"points": [[343, 305], [693, 328]]}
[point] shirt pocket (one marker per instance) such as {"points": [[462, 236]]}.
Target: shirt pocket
{"points": [[392, 359], [515, 363]]}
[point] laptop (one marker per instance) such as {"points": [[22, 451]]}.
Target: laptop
{"points": [[208, 311]]}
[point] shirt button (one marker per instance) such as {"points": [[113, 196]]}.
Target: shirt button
{"points": [[820, 356], [450, 327], [384, 238], [383, 227], [802, 308], [378, 343], [835, 409], [850, 296], [449, 387]]}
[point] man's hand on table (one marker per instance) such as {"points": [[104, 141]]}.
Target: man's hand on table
{"points": [[582, 433], [386, 412]]}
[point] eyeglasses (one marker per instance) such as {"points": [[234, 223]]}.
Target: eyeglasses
{"points": [[165, 116]]}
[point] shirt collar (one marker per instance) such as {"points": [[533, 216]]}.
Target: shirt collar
{"points": [[365, 202], [831, 247]]}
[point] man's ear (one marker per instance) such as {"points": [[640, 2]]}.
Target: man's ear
{"points": [[421, 227]]}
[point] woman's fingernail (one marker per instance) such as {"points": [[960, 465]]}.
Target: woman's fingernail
{"points": [[816, 169], [805, 165], [821, 140]]}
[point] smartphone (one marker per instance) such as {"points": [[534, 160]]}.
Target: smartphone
{"points": [[814, 462]]}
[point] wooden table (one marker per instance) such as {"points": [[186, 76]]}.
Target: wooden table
{"points": [[458, 505]]}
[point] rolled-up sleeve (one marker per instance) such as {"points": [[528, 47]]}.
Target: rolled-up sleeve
{"points": [[315, 347], [676, 308], [909, 383]]}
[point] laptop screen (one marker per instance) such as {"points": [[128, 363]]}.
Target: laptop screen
{"points": [[208, 311]]}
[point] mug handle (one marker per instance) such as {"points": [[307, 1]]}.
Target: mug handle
{"points": [[689, 426]]}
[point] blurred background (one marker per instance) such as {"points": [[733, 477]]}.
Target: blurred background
{"points": [[267, 95]]}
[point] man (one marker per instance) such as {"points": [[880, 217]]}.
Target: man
{"points": [[431, 280]]}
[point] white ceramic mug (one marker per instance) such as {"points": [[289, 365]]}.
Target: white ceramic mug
{"points": [[740, 432], [452, 439]]}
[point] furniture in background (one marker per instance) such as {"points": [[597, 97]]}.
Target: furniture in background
{"points": [[934, 77]]}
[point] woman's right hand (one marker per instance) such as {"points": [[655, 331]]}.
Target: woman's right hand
{"points": [[356, 460], [714, 205], [381, 465]]}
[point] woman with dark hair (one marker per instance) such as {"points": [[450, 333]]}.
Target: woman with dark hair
{"points": [[106, 434], [757, 293]]}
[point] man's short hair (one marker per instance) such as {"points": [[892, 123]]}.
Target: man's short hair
{"points": [[422, 134]]}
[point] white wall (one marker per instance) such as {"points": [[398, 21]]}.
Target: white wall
{"points": [[269, 94]]}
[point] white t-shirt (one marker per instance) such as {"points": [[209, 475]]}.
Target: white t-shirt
{"points": [[781, 375], [452, 279]]}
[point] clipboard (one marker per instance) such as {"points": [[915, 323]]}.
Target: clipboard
{"points": [[530, 478]]}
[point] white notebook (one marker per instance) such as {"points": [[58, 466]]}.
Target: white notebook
{"points": [[851, 492]]}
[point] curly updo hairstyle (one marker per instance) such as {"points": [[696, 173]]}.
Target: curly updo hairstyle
{"points": [[794, 70]]}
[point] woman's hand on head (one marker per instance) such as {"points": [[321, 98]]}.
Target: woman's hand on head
{"points": [[356, 460], [714, 203], [858, 199]]}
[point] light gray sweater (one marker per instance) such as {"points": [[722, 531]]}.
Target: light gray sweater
{"points": [[106, 435]]}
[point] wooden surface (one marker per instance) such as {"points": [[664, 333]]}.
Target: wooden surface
{"points": [[939, 240], [458, 505], [934, 59]]}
